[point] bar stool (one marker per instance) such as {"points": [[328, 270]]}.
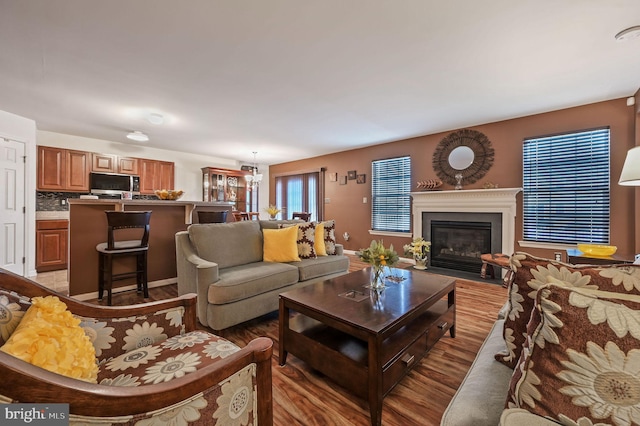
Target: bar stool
{"points": [[212, 217], [301, 215], [117, 221]]}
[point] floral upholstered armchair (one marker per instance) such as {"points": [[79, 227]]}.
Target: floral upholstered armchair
{"points": [[139, 365]]}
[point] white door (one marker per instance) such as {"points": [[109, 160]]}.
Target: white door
{"points": [[12, 207]]}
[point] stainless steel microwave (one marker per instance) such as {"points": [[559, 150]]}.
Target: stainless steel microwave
{"points": [[114, 183]]}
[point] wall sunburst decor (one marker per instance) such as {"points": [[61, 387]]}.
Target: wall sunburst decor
{"points": [[466, 152]]}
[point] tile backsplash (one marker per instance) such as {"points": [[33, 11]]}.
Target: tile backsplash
{"points": [[49, 201]]}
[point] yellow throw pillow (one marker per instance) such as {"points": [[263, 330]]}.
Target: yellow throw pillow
{"points": [[280, 245], [318, 244], [50, 337]]}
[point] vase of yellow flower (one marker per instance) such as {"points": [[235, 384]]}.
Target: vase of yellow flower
{"points": [[418, 249], [272, 211], [379, 258]]}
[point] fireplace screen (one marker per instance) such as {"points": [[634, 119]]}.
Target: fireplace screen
{"points": [[458, 245]]}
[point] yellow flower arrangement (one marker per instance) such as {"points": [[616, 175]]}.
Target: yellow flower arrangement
{"points": [[418, 247], [272, 210]]}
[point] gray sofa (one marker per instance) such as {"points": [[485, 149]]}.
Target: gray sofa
{"points": [[480, 399], [222, 263]]}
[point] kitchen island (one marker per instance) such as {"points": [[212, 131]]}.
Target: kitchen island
{"points": [[88, 228]]}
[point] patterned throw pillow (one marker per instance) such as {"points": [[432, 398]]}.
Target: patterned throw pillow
{"points": [[531, 273], [330, 236], [581, 361], [305, 240], [12, 309], [50, 337]]}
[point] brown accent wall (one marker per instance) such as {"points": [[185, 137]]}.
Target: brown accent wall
{"points": [[353, 216]]}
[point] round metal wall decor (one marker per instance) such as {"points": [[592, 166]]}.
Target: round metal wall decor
{"points": [[466, 152]]}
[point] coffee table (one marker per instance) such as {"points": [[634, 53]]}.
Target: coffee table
{"points": [[363, 343]]}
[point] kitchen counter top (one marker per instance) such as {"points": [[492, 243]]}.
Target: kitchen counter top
{"points": [[52, 215]]}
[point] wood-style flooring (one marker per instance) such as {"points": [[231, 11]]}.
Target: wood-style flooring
{"points": [[302, 396]]}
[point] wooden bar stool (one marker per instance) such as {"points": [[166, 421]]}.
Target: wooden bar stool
{"points": [[212, 217], [119, 221]]}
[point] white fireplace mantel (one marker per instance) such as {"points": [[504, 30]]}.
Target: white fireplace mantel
{"points": [[499, 200]]}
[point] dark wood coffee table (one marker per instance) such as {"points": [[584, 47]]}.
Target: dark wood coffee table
{"points": [[363, 345]]}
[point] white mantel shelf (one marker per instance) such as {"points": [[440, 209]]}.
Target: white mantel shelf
{"points": [[498, 200]]}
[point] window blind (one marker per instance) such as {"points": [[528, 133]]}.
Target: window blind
{"points": [[390, 199], [566, 188]]}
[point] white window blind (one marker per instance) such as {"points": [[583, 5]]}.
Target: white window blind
{"points": [[566, 188], [390, 199]]}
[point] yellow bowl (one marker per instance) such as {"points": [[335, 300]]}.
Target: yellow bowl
{"points": [[597, 250], [168, 194]]}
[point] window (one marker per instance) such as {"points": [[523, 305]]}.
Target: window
{"points": [[390, 199], [298, 193], [566, 188]]}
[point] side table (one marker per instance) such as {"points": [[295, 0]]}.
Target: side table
{"points": [[575, 256]]}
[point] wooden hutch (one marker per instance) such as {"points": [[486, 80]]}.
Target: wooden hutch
{"points": [[229, 186]]}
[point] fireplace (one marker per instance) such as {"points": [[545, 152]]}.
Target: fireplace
{"points": [[464, 224], [459, 244]]}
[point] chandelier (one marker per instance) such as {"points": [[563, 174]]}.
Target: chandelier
{"points": [[254, 179]]}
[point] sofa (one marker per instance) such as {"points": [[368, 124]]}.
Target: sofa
{"points": [[563, 350], [145, 364], [224, 263]]}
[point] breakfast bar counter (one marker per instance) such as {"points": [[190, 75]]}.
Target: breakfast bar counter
{"points": [[88, 227]]}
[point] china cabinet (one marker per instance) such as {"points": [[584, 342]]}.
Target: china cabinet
{"points": [[229, 186]]}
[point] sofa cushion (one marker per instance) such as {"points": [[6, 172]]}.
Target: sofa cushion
{"points": [[228, 244], [330, 236], [320, 266], [50, 337], [12, 309], [479, 400], [275, 224], [531, 273], [172, 358], [241, 282], [280, 245], [581, 361], [318, 244]]}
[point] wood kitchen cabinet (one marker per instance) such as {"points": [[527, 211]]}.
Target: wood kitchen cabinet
{"points": [[104, 163], [155, 175], [127, 165], [62, 169], [51, 244]]}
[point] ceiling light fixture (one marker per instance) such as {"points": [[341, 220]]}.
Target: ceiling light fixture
{"points": [[629, 33], [155, 118], [253, 180], [137, 136]]}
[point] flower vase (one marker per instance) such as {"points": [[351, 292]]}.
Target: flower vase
{"points": [[377, 277], [377, 297], [272, 217], [421, 261]]}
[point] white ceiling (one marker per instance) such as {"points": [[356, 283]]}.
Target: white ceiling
{"points": [[293, 79]]}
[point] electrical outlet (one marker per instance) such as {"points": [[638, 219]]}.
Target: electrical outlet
{"points": [[364, 200], [63, 202], [327, 200]]}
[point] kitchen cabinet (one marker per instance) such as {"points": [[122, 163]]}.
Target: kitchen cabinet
{"points": [[104, 163], [77, 175], [155, 175], [128, 166], [229, 186], [51, 244], [62, 169]]}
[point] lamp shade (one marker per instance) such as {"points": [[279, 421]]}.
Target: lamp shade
{"points": [[630, 175]]}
